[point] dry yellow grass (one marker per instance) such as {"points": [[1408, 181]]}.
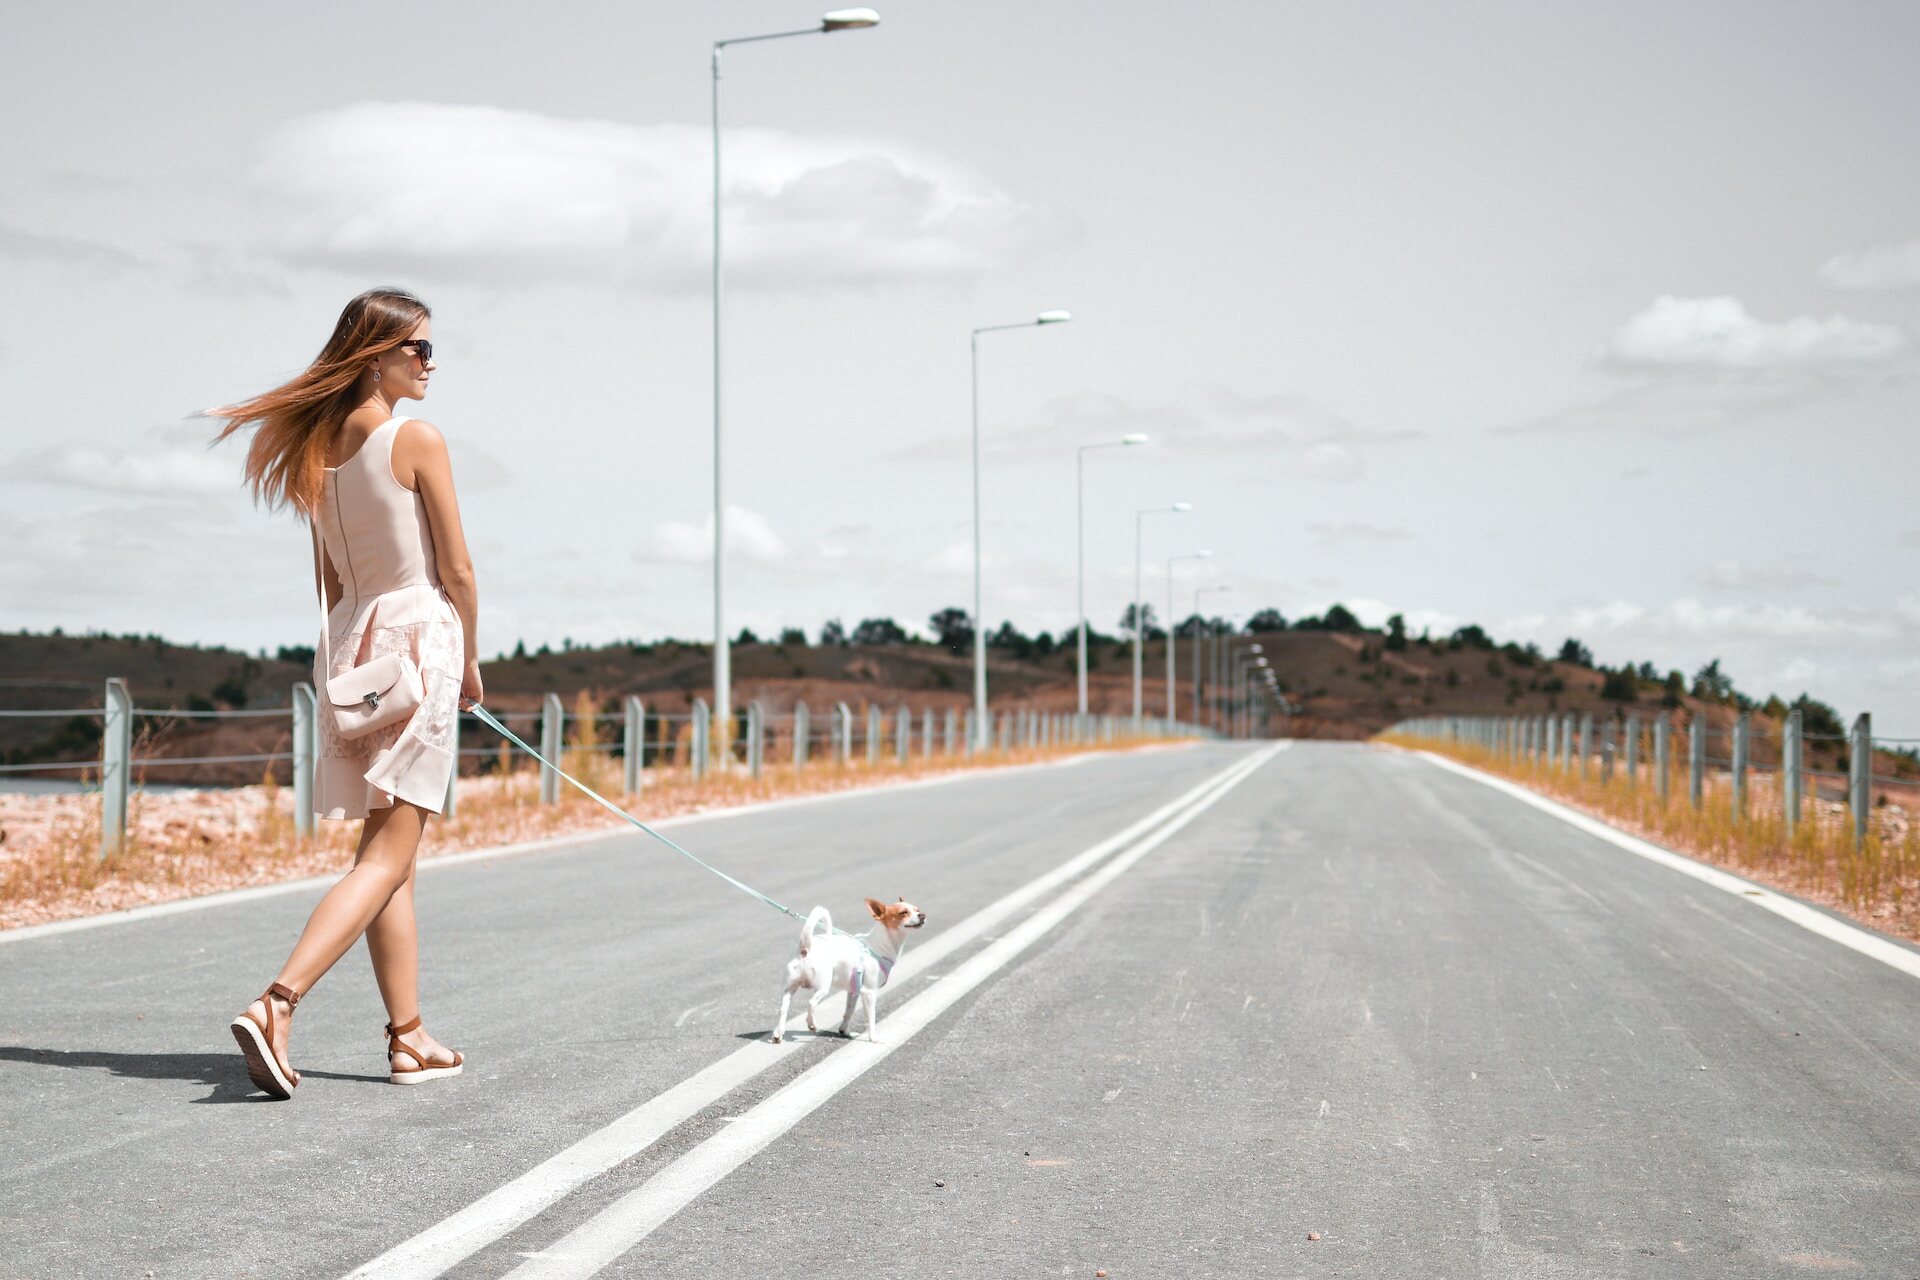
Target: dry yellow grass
{"points": [[185, 844], [1877, 883]]}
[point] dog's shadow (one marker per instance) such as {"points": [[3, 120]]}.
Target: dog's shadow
{"points": [[797, 1036], [226, 1072]]}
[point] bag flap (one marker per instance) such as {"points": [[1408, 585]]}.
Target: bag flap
{"points": [[350, 688]]}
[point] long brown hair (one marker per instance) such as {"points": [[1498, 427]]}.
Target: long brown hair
{"points": [[287, 460]]}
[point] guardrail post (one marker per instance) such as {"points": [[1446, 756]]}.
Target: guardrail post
{"points": [[948, 730], [1633, 751], [1790, 766], [968, 738], [1553, 741], [843, 732], [1606, 754], [633, 745], [756, 734], [1663, 757], [1742, 727], [1860, 775], [304, 708], [873, 733], [802, 729], [902, 734], [552, 717], [1006, 731], [1696, 760], [702, 735], [1586, 742], [116, 771]]}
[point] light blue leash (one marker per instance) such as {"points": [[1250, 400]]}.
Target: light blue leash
{"points": [[611, 807]]}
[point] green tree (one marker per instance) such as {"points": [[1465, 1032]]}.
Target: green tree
{"points": [[1675, 691], [1621, 685], [952, 629], [1396, 633], [1575, 652]]}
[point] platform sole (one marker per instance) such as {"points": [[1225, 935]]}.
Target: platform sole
{"points": [[262, 1068], [422, 1076]]}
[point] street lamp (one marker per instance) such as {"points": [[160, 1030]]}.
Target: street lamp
{"points": [[1139, 605], [1080, 467], [1173, 710], [980, 725], [837, 20], [1204, 629], [1235, 663]]}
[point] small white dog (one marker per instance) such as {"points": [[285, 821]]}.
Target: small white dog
{"points": [[827, 962]]}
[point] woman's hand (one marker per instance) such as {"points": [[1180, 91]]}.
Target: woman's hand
{"points": [[470, 691]]}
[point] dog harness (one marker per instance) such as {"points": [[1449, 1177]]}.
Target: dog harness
{"points": [[860, 973]]}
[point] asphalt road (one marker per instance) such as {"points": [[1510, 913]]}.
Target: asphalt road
{"points": [[1351, 995]]}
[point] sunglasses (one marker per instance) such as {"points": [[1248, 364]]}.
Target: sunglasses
{"points": [[421, 347]]}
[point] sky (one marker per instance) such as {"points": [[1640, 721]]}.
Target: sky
{"points": [[1591, 321]]}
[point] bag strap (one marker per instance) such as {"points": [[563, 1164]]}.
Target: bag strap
{"points": [[320, 594]]}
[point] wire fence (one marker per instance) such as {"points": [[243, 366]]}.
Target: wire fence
{"points": [[642, 739], [1705, 755]]}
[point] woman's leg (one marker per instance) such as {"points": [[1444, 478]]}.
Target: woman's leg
{"points": [[393, 941], [388, 843], [389, 840]]}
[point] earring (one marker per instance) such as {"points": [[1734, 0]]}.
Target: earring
{"points": [[376, 375]]}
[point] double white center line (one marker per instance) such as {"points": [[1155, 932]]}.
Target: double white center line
{"points": [[612, 1232]]}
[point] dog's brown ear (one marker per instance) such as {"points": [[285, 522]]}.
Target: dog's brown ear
{"points": [[877, 908]]}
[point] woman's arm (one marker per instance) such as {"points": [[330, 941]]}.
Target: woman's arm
{"points": [[420, 463]]}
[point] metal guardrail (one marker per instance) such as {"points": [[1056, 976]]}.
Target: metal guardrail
{"points": [[1575, 742], [689, 739]]}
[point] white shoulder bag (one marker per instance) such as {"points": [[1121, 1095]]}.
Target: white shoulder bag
{"points": [[372, 695]]}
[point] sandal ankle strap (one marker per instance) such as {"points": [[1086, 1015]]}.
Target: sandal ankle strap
{"points": [[394, 1032], [286, 993]]}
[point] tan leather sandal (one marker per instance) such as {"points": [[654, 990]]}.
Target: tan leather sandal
{"points": [[255, 1039], [423, 1069]]}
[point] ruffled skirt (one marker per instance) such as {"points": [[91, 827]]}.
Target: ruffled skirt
{"points": [[413, 759]]}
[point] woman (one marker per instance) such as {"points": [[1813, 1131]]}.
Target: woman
{"points": [[377, 489]]}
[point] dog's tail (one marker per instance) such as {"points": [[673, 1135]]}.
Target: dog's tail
{"points": [[817, 916]]}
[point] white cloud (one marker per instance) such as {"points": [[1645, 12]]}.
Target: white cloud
{"points": [[1719, 333], [1305, 439], [1887, 266], [175, 461], [1683, 406], [750, 540], [504, 196], [1732, 575], [1330, 534]]}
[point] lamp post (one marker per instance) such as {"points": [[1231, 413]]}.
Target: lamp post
{"points": [[1206, 629], [837, 20], [1080, 467], [1173, 710], [1238, 662], [982, 728], [1139, 604]]}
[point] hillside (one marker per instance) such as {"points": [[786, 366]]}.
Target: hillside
{"points": [[1345, 684]]}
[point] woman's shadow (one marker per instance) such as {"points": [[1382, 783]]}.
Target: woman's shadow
{"points": [[226, 1072]]}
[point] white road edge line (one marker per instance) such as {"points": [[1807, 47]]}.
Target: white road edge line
{"points": [[606, 1236], [1867, 944], [443, 1246], [228, 897]]}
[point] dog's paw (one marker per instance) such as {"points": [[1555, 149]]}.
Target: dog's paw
{"points": [[776, 1037]]}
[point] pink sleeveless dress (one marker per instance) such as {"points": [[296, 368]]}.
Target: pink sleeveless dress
{"points": [[376, 534]]}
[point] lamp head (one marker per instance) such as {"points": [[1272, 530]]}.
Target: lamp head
{"points": [[1051, 317], [1203, 555], [1181, 506], [849, 20], [1138, 437]]}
